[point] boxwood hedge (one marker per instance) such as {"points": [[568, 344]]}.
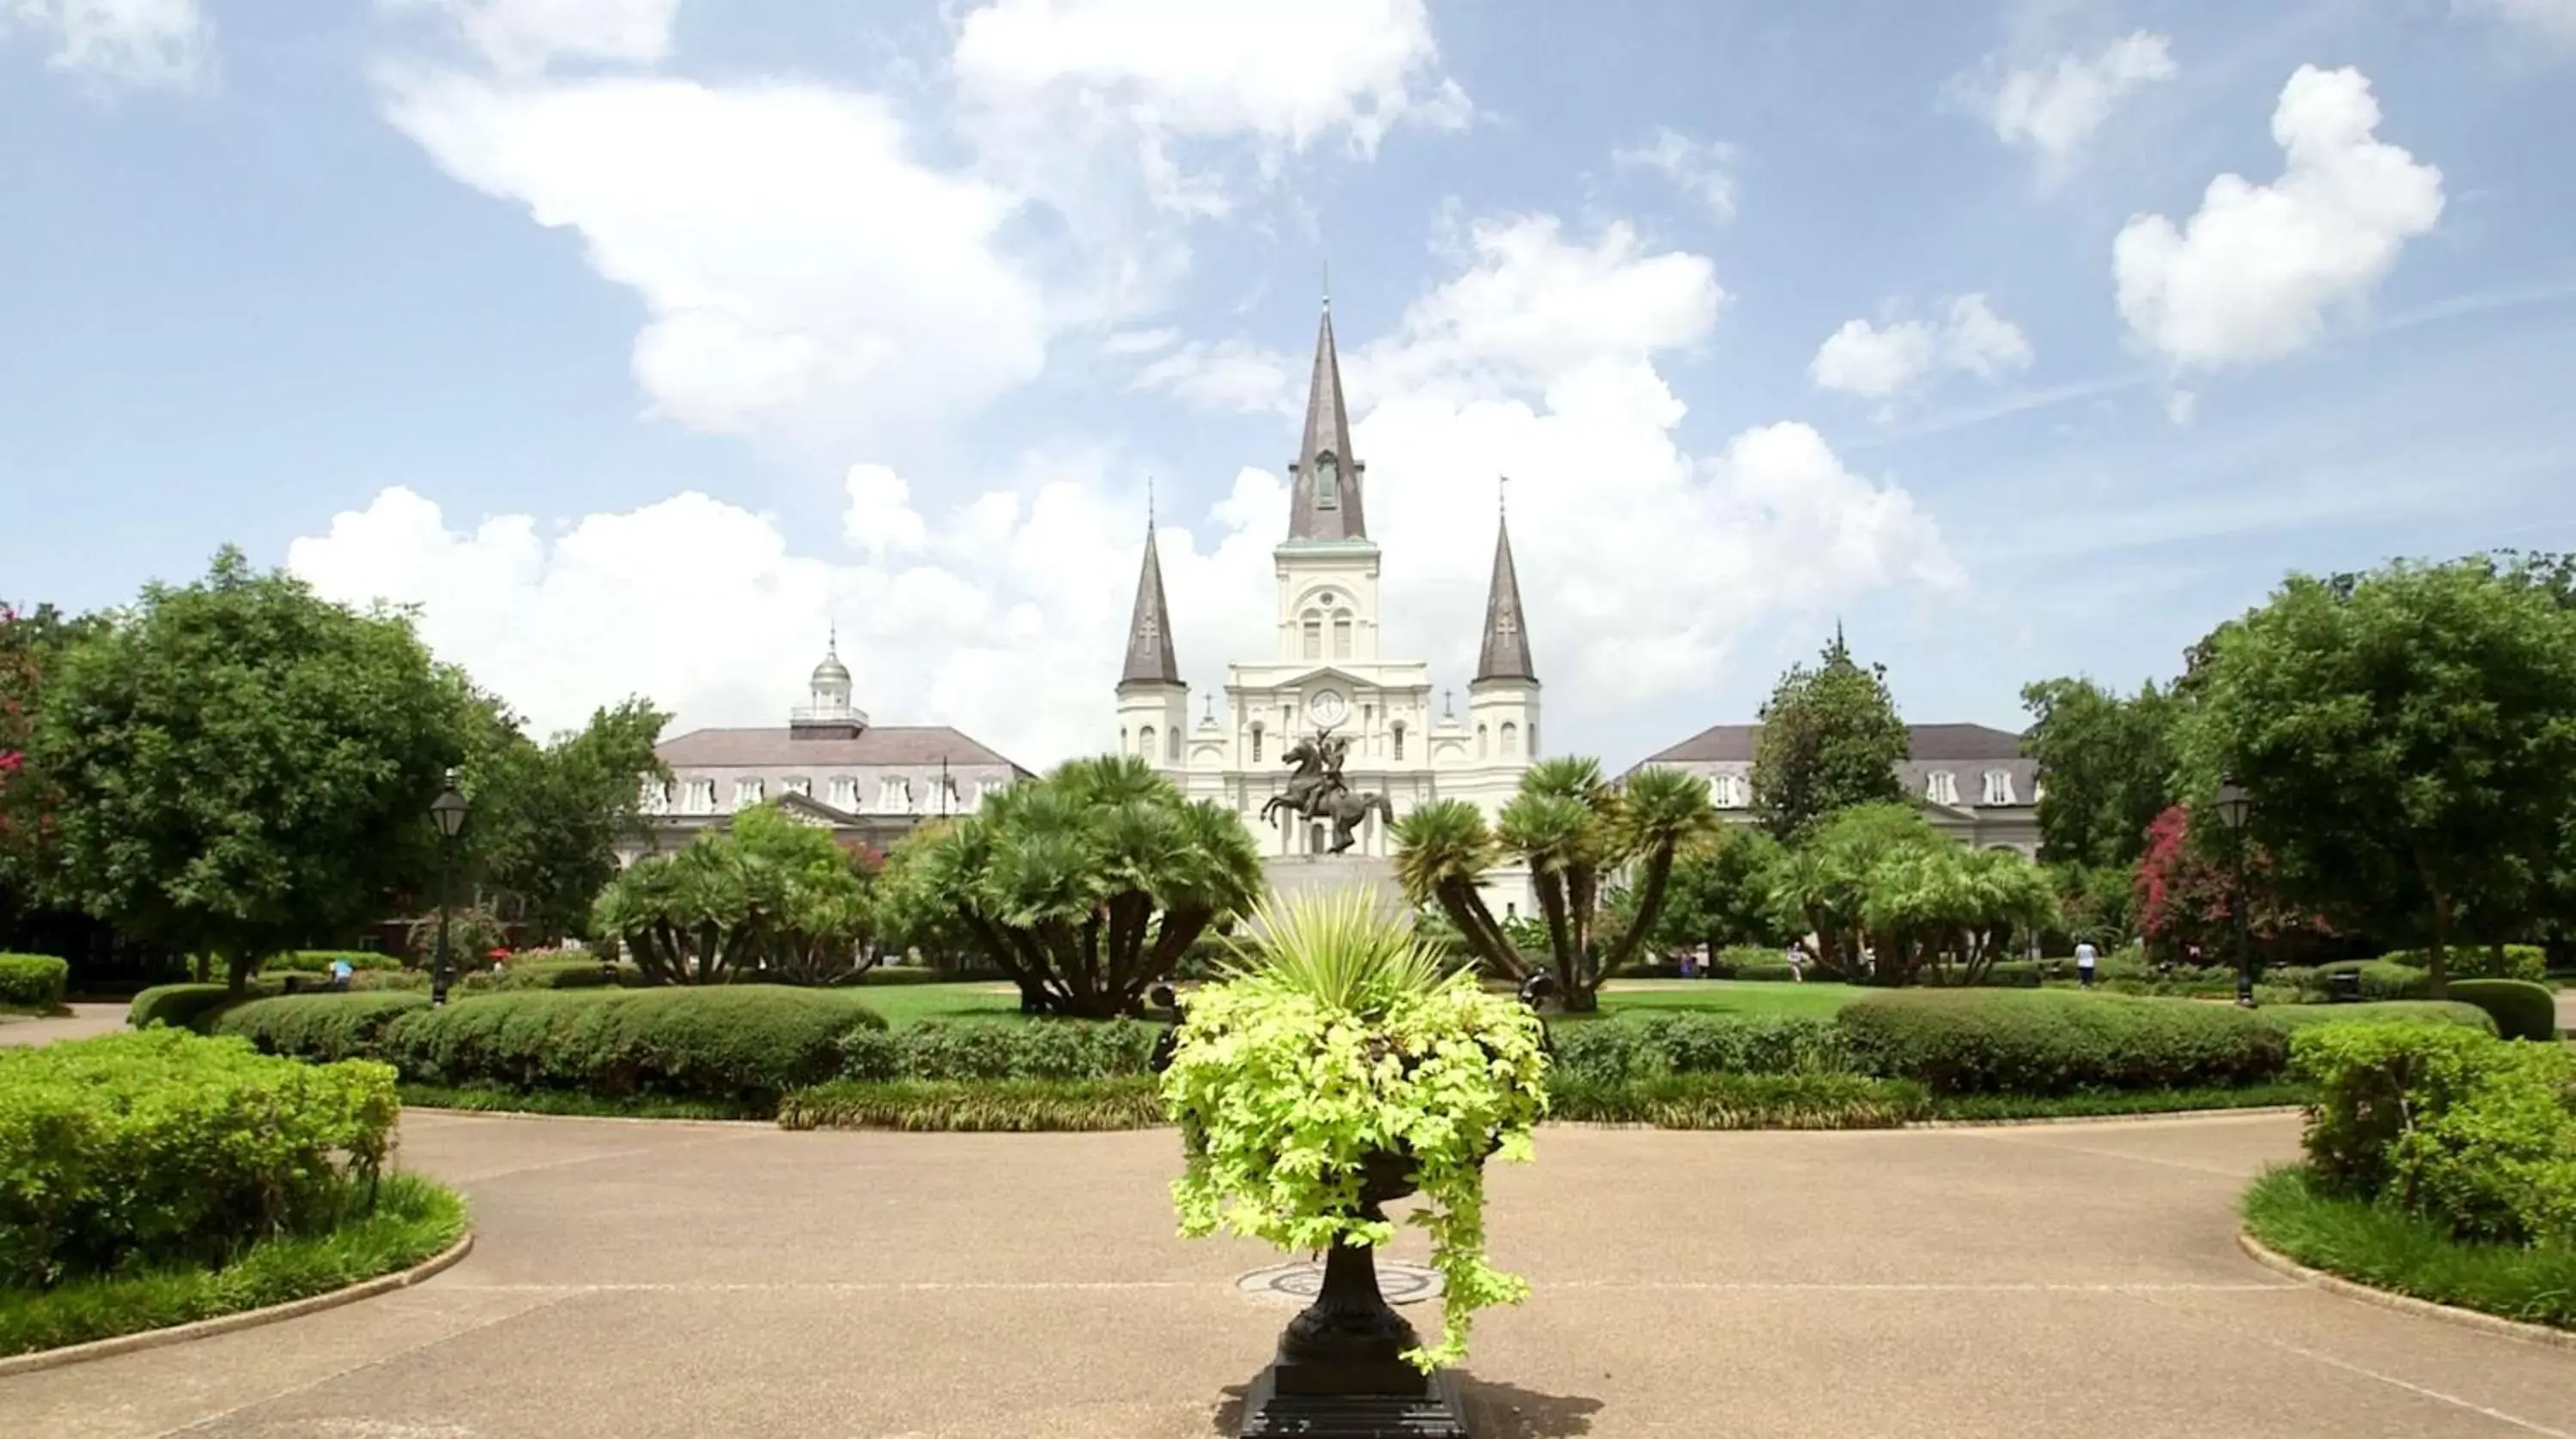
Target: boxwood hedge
{"points": [[189, 1006], [32, 982], [747, 1043], [1629, 1047], [1000, 1049], [2521, 1008], [323, 1027]]}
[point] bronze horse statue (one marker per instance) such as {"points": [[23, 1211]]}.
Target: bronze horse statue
{"points": [[1315, 790]]}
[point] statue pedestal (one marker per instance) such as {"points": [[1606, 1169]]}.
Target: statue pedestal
{"points": [[1294, 875]]}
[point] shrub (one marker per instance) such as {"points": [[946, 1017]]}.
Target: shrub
{"points": [[2055, 1041], [323, 1027], [140, 1149], [2379, 979], [1017, 1105], [318, 961], [1630, 1047], [32, 981], [2387, 1011], [1741, 1101], [570, 972], [1000, 1049], [1765, 970], [2389, 1248], [2521, 1008], [748, 1042], [2521, 961], [188, 1006], [2443, 1122]]}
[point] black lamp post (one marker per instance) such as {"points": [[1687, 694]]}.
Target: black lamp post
{"points": [[449, 810], [2232, 804]]}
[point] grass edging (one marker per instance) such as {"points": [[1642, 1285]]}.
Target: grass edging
{"points": [[248, 1318], [2264, 1254]]}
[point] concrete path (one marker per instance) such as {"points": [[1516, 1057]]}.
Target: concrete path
{"points": [[635, 1280], [85, 1021]]}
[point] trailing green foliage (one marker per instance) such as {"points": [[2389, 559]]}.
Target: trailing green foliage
{"points": [[1285, 1095], [322, 1027], [1016, 1105], [2520, 961], [1741, 1101], [736, 1042], [32, 982], [2387, 1247], [2447, 1123], [412, 1220], [1000, 1049], [136, 1150], [186, 1006], [1653, 1044], [2521, 1008]]}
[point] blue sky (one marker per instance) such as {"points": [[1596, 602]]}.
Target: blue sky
{"points": [[638, 341]]}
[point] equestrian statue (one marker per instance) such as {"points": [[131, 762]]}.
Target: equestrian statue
{"points": [[1315, 790]]}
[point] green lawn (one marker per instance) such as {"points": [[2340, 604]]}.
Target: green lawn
{"points": [[903, 1004], [1725, 996]]}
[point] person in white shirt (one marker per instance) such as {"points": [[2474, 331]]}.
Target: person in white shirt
{"points": [[2084, 961]]}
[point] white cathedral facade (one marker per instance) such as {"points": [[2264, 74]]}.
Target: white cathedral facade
{"points": [[1327, 671]]}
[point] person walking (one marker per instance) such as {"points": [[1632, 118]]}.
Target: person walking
{"points": [[2084, 962], [1797, 961], [341, 970]]}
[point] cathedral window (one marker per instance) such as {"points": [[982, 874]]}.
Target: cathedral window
{"points": [[1172, 744], [1256, 743], [1511, 740], [1311, 629], [1480, 742], [1399, 741], [1342, 635], [1145, 742]]}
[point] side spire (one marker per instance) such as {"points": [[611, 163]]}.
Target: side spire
{"points": [[1505, 654], [1149, 634], [1325, 504]]}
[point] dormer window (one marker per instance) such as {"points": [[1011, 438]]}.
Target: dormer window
{"points": [[1941, 787], [845, 792], [894, 796], [1999, 787], [746, 793]]}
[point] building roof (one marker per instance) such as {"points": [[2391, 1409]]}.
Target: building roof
{"points": [[1316, 512], [1924, 743], [1505, 652], [883, 746], [1149, 631]]}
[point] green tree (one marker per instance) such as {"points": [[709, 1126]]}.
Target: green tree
{"points": [[243, 767], [548, 818], [2408, 739], [1721, 894], [2105, 769], [766, 895], [1830, 739], [1945, 912], [1822, 887], [1085, 887], [1574, 830]]}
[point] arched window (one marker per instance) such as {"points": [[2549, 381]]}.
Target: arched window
{"points": [[1341, 634], [1399, 740], [1511, 740], [1145, 742], [1480, 741], [1172, 744], [1122, 739], [1311, 631], [1256, 742]]}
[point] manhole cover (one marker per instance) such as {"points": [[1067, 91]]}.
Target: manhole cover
{"points": [[1299, 1282]]}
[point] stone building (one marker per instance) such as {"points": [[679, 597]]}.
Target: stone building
{"points": [[828, 766], [1327, 672], [1972, 781]]}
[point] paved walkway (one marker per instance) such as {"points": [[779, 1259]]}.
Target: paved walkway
{"points": [[636, 1280], [85, 1021]]}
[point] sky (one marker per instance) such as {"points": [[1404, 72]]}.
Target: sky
{"points": [[640, 344]]}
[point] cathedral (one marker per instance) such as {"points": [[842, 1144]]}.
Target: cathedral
{"points": [[1326, 674]]}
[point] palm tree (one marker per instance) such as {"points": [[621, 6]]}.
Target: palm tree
{"points": [[1085, 887], [1573, 828]]}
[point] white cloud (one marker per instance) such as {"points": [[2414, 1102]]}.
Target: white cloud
{"points": [[1123, 343], [2552, 22], [801, 271], [2054, 105], [2261, 269], [1702, 169], [2181, 406], [1226, 375], [130, 44], [523, 37], [1879, 361], [1003, 613]]}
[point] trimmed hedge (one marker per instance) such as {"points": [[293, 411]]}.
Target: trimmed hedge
{"points": [[32, 981], [2521, 961], [2387, 1011], [573, 972], [746, 1042], [323, 1027], [188, 1006], [2521, 1008], [318, 961], [1000, 1049], [1649, 1045], [2379, 979], [135, 1150]]}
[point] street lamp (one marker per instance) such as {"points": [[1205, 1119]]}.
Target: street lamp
{"points": [[2232, 804], [449, 810]]}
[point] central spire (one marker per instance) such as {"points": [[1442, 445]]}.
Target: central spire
{"points": [[1325, 482]]}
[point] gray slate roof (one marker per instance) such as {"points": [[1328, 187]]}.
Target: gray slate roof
{"points": [[1924, 743], [1505, 653], [876, 745], [1327, 432]]}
